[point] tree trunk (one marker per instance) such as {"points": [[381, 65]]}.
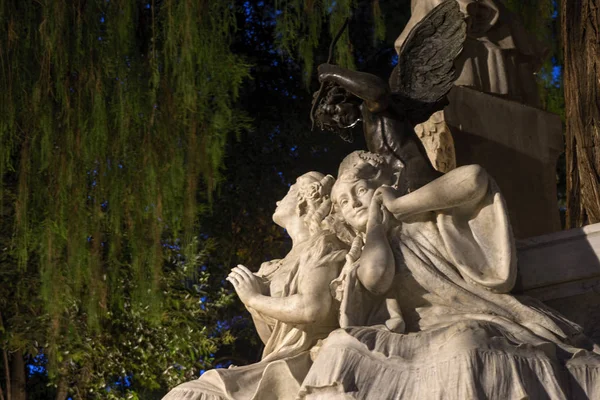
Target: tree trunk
{"points": [[7, 373], [17, 375], [5, 365], [62, 389], [1, 388], [580, 31]]}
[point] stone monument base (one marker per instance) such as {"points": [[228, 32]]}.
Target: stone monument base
{"points": [[518, 145], [563, 270]]}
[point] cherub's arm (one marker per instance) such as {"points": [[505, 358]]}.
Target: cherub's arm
{"points": [[311, 304], [377, 264], [374, 91], [462, 187]]}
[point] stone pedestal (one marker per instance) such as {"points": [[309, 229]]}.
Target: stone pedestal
{"points": [[518, 145], [563, 270]]}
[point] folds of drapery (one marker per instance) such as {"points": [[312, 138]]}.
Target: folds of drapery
{"points": [[475, 340], [465, 262], [465, 360]]}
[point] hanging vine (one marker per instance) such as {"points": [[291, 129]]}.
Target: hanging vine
{"points": [[540, 18], [300, 26], [112, 115]]}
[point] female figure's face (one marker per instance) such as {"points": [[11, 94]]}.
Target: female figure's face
{"points": [[286, 207], [353, 199]]}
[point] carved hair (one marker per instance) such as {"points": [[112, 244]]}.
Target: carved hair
{"points": [[335, 223], [365, 165], [314, 199]]}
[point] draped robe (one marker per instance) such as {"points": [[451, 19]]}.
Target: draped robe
{"points": [[447, 328]]}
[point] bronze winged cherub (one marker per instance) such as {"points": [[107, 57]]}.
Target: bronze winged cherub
{"points": [[389, 112]]}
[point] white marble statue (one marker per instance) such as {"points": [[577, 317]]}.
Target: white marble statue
{"points": [[289, 300], [405, 294], [426, 311], [419, 310]]}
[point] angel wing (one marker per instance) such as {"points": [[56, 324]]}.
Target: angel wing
{"points": [[425, 72]]}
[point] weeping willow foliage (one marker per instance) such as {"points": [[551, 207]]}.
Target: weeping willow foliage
{"points": [[536, 15], [301, 23], [540, 19], [113, 116]]}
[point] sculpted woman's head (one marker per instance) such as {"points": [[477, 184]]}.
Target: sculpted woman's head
{"points": [[359, 175], [307, 199]]}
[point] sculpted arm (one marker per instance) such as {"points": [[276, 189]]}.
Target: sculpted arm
{"points": [[261, 323], [311, 304], [377, 264], [373, 90], [460, 188]]}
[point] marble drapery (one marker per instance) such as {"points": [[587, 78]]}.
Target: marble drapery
{"points": [[462, 335]]}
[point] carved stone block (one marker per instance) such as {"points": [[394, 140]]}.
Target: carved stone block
{"points": [[437, 140]]}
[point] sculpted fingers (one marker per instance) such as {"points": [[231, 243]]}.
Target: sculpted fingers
{"points": [[375, 216], [375, 204], [238, 272], [237, 278], [243, 283], [233, 280], [241, 269], [385, 214], [378, 195]]}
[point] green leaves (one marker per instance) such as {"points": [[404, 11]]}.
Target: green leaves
{"points": [[113, 122], [116, 112], [300, 25]]}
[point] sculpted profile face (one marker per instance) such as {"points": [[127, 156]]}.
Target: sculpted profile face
{"points": [[359, 176], [286, 207], [307, 199]]}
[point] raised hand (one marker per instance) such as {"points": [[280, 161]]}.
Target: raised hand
{"points": [[387, 194], [378, 212], [246, 284]]}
